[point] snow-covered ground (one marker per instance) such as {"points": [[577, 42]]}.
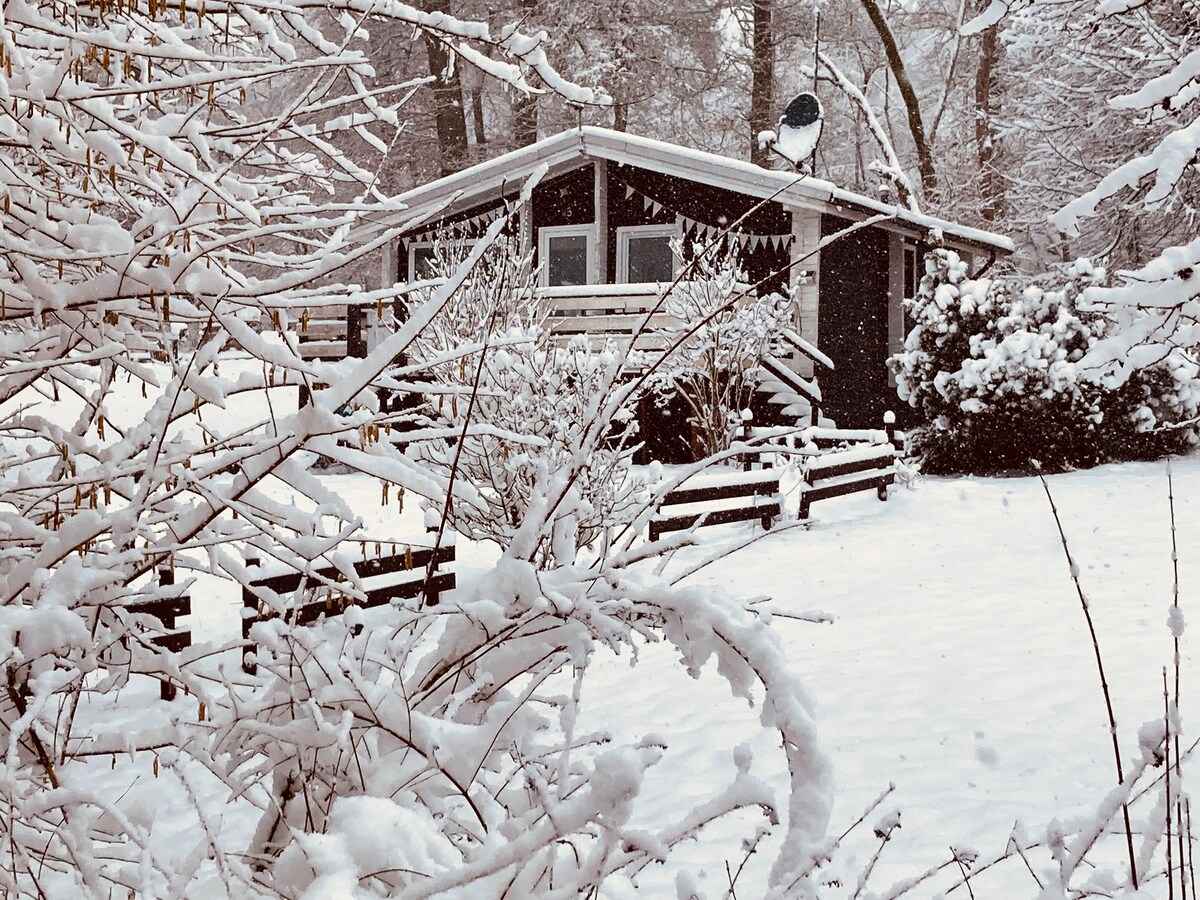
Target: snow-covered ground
{"points": [[957, 664]]}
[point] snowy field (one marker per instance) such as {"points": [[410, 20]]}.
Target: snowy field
{"points": [[957, 664]]}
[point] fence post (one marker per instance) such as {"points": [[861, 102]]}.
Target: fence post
{"points": [[889, 428], [747, 458], [166, 578]]}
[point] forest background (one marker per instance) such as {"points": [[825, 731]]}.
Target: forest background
{"points": [[997, 128]]}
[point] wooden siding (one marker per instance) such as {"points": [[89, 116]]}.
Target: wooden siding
{"points": [[699, 202], [565, 200], [853, 324]]}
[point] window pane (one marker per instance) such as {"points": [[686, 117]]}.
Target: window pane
{"points": [[650, 259], [422, 263], [567, 263]]}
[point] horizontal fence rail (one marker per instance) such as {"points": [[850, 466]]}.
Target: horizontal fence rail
{"points": [[758, 493], [409, 571]]}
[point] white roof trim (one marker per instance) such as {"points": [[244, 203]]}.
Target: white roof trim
{"points": [[506, 174]]}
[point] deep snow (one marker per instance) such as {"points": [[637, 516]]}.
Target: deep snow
{"points": [[957, 664]]}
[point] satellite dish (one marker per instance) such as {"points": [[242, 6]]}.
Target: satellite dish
{"points": [[799, 130]]}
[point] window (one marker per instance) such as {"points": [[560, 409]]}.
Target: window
{"points": [[644, 253], [421, 257], [564, 252]]}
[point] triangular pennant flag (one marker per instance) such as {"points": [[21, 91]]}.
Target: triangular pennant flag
{"points": [[655, 207], [628, 192], [754, 241], [646, 201], [742, 239]]}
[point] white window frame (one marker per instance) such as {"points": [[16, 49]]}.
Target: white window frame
{"points": [[588, 231], [627, 232], [410, 268]]}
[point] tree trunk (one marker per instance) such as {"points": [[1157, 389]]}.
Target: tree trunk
{"points": [[929, 182], [524, 106], [449, 110], [991, 185], [762, 78], [477, 115]]}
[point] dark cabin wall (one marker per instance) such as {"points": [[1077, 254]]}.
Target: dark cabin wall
{"points": [[703, 204], [448, 223], [852, 325], [567, 199]]}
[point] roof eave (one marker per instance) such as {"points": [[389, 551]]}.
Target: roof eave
{"points": [[493, 178]]}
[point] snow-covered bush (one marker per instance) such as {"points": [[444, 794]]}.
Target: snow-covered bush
{"points": [[183, 165], [440, 756], [993, 368], [514, 406], [724, 331]]}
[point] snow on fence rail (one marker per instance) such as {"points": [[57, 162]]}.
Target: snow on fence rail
{"points": [[407, 571], [850, 461], [157, 622], [756, 495], [833, 462]]}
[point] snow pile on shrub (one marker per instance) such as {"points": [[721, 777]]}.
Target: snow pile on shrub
{"points": [[440, 755], [995, 371]]}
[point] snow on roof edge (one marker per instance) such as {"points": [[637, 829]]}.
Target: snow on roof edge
{"points": [[592, 141]]}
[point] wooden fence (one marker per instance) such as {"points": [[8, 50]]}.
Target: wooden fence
{"points": [[163, 629], [408, 571], [755, 495]]}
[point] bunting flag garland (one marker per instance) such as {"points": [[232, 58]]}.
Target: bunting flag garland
{"points": [[705, 231], [469, 227], [475, 225]]}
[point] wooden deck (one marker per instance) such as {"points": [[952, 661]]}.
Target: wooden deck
{"points": [[622, 313]]}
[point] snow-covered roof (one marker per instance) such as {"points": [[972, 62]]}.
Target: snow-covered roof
{"points": [[505, 174]]}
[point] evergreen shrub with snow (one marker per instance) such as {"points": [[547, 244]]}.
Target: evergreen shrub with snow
{"points": [[994, 369]]}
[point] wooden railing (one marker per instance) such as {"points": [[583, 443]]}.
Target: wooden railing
{"points": [[157, 623], [609, 311], [393, 571], [601, 312], [719, 499]]}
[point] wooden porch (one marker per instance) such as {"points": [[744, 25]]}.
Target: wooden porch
{"points": [[627, 314]]}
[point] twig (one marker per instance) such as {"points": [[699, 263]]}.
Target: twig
{"points": [[884, 833], [1176, 623], [1191, 843], [1025, 859], [965, 874], [1167, 804], [1112, 719]]}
